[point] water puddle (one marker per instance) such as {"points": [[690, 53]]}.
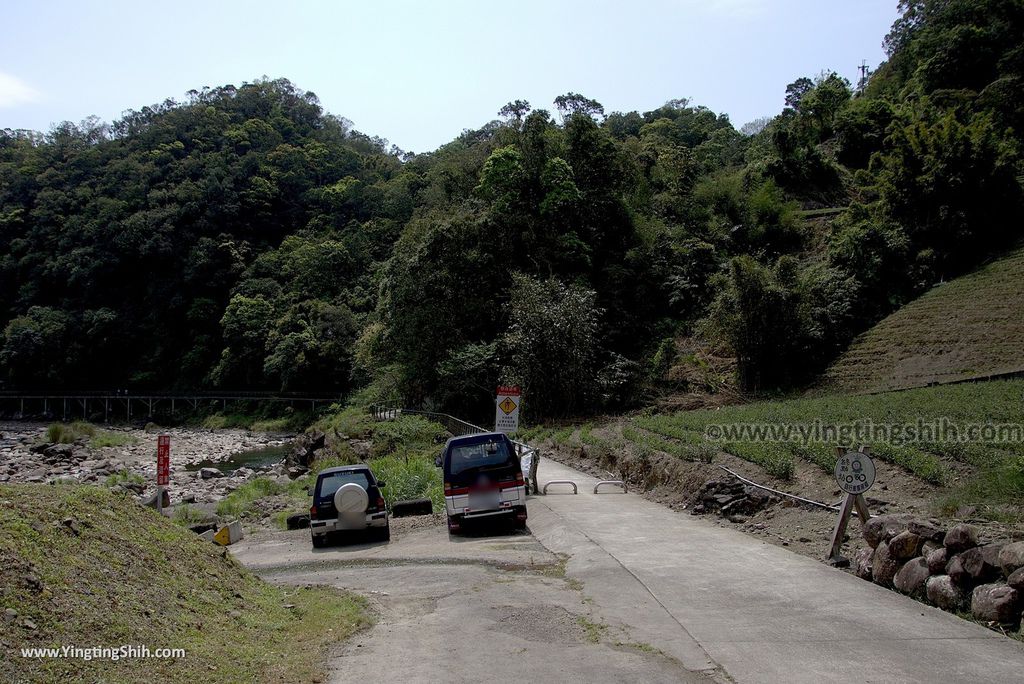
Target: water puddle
{"points": [[253, 458]]}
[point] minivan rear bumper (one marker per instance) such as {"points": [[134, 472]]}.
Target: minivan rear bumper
{"points": [[510, 500]]}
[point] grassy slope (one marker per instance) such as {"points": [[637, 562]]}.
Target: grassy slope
{"points": [[127, 576], [997, 486], [972, 326]]}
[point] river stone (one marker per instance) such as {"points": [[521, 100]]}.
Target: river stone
{"points": [[884, 527], [1011, 557], [956, 572], [981, 563], [996, 603], [209, 473], [1016, 580], [912, 576], [862, 563], [929, 530], [904, 545], [944, 593], [937, 560], [150, 501], [883, 566], [960, 538]]}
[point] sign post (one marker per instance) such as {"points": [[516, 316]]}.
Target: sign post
{"points": [[854, 473], [163, 469], [506, 412]]}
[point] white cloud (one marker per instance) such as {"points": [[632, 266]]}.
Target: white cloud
{"points": [[14, 91]]}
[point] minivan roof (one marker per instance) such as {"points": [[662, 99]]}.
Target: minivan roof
{"points": [[476, 439]]}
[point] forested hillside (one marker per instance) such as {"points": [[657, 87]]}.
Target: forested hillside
{"points": [[244, 238]]}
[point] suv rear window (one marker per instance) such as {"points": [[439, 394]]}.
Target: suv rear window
{"points": [[331, 482], [477, 456]]}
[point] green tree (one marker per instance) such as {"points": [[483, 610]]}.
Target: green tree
{"points": [[551, 345]]}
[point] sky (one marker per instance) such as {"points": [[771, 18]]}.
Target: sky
{"points": [[419, 73]]}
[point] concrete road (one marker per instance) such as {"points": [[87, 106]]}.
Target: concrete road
{"points": [[757, 611], [612, 587], [473, 609]]}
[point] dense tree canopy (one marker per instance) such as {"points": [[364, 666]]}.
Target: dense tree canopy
{"points": [[244, 238]]}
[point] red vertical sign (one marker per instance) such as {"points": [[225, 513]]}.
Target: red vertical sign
{"points": [[163, 460]]}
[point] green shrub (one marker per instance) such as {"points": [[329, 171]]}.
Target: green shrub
{"points": [[106, 438], [124, 476], [67, 433]]}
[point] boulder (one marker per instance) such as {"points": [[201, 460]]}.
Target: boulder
{"points": [[956, 572], [296, 472], [905, 545], [1016, 580], [930, 546], [132, 487], [942, 592], [912, 577], [981, 563], [996, 603], [937, 561], [150, 500], [210, 473], [305, 447], [960, 538], [361, 448], [883, 566], [884, 527], [1011, 557], [929, 530]]}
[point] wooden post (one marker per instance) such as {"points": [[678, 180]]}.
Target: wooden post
{"points": [[850, 502]]}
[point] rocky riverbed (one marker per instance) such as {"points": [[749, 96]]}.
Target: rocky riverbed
{"points": [[203, 462]]}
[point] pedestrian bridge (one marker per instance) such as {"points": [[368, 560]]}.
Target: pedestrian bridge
{"points": [[128, 404]]}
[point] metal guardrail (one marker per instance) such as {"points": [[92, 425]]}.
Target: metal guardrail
{"points": [[575, 489]]}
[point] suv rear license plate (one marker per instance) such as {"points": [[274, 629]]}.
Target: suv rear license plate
{"points": [[484, 501]]}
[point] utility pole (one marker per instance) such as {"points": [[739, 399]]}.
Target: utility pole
{"points": [[862, 83]]}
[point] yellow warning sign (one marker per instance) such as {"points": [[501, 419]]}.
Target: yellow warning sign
{"points": [[508, 406]]}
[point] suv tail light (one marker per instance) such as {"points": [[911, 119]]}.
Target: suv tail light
{"points": [[380, 503], [519, 479], [447, 488], [312, 512]]}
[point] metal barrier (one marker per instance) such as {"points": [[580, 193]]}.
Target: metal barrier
{"points": [[575, 489], [617, 483]]}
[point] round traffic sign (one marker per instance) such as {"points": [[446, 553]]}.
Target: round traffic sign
{"points": [[855, 472]]}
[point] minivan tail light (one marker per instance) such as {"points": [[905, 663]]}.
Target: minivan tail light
{"points": [[519, 479], [447, 488]]}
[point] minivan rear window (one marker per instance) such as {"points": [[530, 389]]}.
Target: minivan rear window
{"points": [[331, 482], [481, 455]]}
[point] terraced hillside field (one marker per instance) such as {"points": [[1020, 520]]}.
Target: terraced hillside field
{"points": [[971, 327]]}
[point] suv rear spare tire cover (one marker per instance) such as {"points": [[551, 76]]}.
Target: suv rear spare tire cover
{"points": [[351, 498]]}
